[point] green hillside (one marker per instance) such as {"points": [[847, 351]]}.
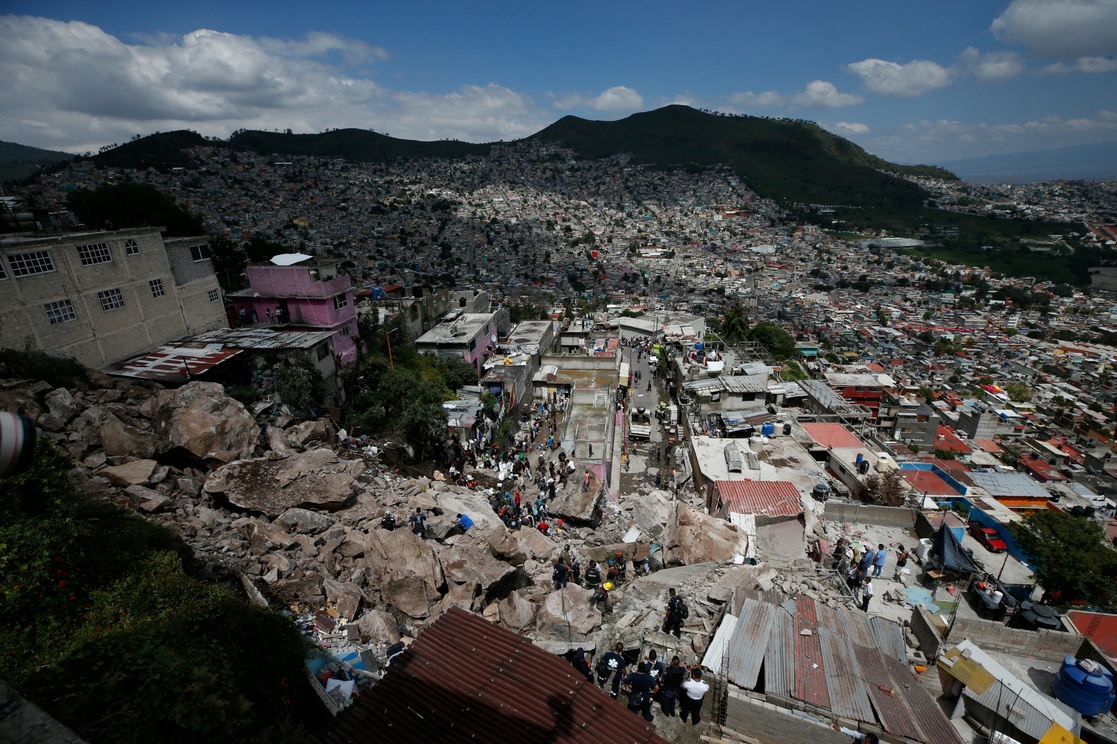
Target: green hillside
{"points": [[162, 151], [358, 145], [789, 161], [20, 161]]}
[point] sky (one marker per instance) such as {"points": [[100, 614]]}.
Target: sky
{"points": [[912, 82]]}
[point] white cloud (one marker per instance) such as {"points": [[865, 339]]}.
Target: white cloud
{"points": [[821, 94], [903, 80], [948, 139], [613, 100], [1060, 29], [749, 101], [1084, 64], [849, 128], [989, 67], [72, 86]]}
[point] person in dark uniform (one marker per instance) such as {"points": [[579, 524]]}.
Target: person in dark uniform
{"points": [[388, 522], [418, 522], [673, 678], [641, 687], [611, 669], [593, 574], [579, 663], [673, 621]]}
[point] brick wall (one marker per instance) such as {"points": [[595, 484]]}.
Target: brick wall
{"points": [[771, 724], [885, 516], [993, 636]]}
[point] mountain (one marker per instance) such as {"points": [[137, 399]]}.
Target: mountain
{"points": [[1096, 162], [786, 160], [20, 161]]}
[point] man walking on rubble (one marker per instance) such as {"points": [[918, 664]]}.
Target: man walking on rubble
{"points": [[418, 522], [610, 670], [676, 612], [673, 678]]}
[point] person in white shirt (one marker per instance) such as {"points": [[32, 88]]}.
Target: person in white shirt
{"points": [[694, 692], [857, 735], [866, 593]]}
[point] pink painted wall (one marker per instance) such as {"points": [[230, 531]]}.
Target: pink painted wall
{"points": [[293, 281]]}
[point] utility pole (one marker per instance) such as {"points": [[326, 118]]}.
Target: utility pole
{"points": [[388, 337]]}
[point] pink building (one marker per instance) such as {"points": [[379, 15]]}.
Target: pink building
{"points": [[297, 292]]}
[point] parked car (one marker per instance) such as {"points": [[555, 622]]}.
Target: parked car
{"points": [[987, 536]]}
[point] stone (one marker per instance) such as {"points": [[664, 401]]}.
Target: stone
{"points": [[516, 612], [117, 437], [61, 410], [277, 441], [651, 512], [695, 537], [506, 547], [472, 561], [378, 626], [314, 478], [306, 432], [154, 504], [130, 473], [346, 596], [577, 506], [264, 533], [567, 614], [202, 420], [304, 521], [405, 571]]}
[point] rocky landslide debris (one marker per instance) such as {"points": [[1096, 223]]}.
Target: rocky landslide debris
{"points": [[272, 500]]}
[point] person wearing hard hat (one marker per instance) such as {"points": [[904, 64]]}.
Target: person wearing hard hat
{"points": [[601, 596]]}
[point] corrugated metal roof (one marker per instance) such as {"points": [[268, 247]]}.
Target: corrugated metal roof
{"points": [[810, 674], [466, 680], [174, 364], [1028, 709], [849, 696], [894, 716], [926, 714], [779, 667], [749, 642], [774, 498]]}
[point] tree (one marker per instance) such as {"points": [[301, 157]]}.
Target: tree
{"points": [[883, 490], [300, 383], [133, 205], [779, 342], [1069, 555], [1018, 392], [735, 324]]}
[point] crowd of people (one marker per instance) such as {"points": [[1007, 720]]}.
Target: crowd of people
{"points": [[648, 682], [860, 564]]}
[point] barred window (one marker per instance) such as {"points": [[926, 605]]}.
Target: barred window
{"points": [[200, 252], [3, 273], [94, 253], [131, 247], [340, 301], [323, 350], [347, 329], [110, 299], [214, 295], [60, 312], [29, 264], [156, 287]]}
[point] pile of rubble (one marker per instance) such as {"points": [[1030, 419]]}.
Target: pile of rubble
{"points": [[278, 502]]}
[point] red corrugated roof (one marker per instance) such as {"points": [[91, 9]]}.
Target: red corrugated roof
{"points": [[774, 498], [169, 364], [467, 680]]}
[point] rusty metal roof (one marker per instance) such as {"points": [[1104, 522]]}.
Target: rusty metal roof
{"points": [[467, 680], [773, 498], [849, 662]]}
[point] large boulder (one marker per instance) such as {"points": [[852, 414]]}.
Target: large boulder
{"points": [[695, 537], [131, 473], [405, 570], [566, 614], [471, 561], [578, 506], [118, 438], [516, 612], [651, 512], [306, 432], [61, 410], [315, 479], [304, 521], [201, 419], [378, 626]]}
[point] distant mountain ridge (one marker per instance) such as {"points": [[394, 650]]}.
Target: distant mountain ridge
{"points": [[786, 160], [1094, 162], [20, 161]]}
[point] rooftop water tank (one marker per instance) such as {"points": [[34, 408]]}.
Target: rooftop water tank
{"points": [[1084, 685], [786, 429], [768, 429], [820, 492]]}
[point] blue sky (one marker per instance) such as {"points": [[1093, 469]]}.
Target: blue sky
{"points": [[911, 82]]}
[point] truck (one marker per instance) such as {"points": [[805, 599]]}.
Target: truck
{"points": [[640, 423]]}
